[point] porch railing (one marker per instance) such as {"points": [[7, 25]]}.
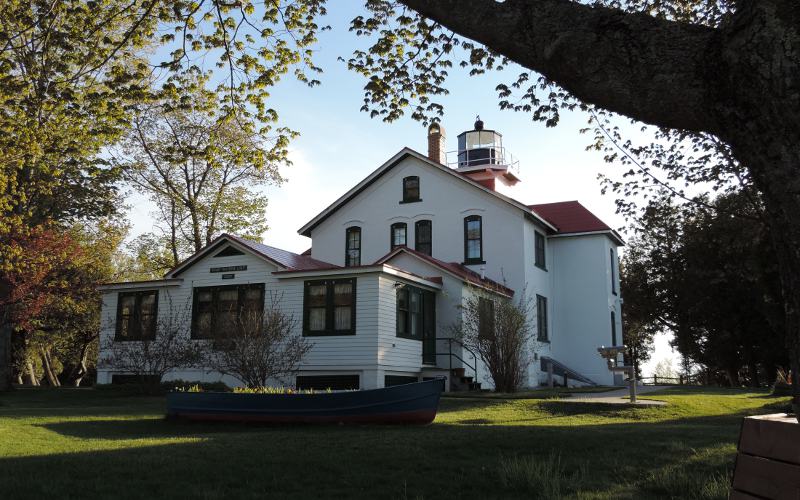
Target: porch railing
{"points": [[450, 355]]}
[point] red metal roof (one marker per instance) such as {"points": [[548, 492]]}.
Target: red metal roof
{"points": [[284, 258], [455, 268], [569, 217]]}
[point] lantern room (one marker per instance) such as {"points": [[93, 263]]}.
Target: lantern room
{"points": [[482, 157]]}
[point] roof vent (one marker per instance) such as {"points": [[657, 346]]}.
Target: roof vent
{"points": [[478, 123]]}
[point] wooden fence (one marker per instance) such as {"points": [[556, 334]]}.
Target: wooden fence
{"points": [[679, 380]]}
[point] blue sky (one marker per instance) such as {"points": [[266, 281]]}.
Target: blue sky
{"points": [[340, 145]]}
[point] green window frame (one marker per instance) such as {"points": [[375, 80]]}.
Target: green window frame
{"points": [[473, 240], [352, 250], [486, 318], [416, 312], [411, 192], [137, 315], [613, 328], [540, 252], [423, 237], [329, 307], [613, 272], [398, 235], [217, 309], [542, 332]]}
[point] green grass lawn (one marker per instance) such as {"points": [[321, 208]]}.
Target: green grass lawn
{"points": [[94, 443]]}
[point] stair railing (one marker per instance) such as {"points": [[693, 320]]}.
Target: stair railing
{"points": [[450, 355]]}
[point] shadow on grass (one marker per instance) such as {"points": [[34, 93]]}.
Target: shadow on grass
{"points": [[435, 461]]}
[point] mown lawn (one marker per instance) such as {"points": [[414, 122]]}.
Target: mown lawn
{"points": [[104, 444]]}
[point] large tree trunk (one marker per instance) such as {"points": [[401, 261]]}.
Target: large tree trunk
{"points": [[47, 364], [30, 372], [5, 356], [81, 369]]}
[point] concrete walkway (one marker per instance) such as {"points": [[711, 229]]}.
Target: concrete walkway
{"points": [[619, 396]]}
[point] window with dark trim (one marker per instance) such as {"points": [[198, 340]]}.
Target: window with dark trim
{"points": [[542, 333], [416, 313], [540, 253], [137, 313], [486, 320], [423, 237], [473, 240], [218, 310], [329, 307], [398, 235], [613, 262], [411, 189], [352, 247], [613, 328]]}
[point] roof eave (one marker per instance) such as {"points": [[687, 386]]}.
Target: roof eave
{"points": [[137, 285], [612, 234]]}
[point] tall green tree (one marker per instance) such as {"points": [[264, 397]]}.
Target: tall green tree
{"points": [[201, 168], [711, 279]]}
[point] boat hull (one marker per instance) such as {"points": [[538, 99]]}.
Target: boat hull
{"points": [[402, 404]]}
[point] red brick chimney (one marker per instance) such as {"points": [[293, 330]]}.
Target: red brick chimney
{"points": [[436, 144]]}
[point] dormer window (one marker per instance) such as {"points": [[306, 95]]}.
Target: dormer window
{"points": [[352, 255], [411, 189], [473, 240], [398, 235]]}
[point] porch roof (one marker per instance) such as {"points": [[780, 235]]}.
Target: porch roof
{"points": [[455, 269]]}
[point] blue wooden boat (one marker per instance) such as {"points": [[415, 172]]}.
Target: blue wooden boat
{"points": [[414, 403]]}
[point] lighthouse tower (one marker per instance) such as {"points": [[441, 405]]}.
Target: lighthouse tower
{"points": [[482, 157]]}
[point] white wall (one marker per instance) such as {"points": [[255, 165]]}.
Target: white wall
{"points": [[583, 301], [177, 301], [445, 201], [373, 349]]}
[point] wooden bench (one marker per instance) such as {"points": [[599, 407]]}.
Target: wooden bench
{"points": [[768, 462]]}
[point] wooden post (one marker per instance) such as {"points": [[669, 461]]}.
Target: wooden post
{"points": [[550, 381], [655, 379]]}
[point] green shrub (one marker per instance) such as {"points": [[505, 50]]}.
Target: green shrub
{"points": [[540, 478]]}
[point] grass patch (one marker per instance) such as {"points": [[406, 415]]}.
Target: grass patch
{"points": [[109, 444], [538, 477]]}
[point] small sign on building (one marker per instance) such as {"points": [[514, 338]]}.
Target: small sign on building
{"points": [[228, 269]]}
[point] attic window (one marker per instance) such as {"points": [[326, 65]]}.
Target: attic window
{"points": [[229, 251], [411, 189]]}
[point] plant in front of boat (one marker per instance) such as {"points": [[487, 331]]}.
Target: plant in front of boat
{"points": [[270, 390], [260, 346], [190, 388]]}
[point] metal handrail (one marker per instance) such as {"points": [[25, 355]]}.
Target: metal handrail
{"points": [[502, 158], [452, 355]]}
